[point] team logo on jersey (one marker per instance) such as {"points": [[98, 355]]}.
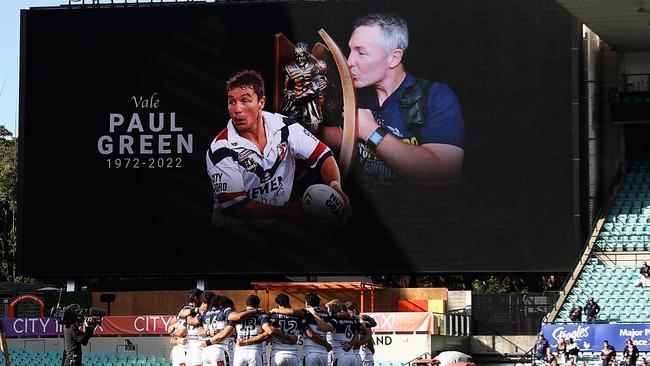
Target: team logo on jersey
{"points": [[309, 134], [247, 159], [266, 175], [282, 150]]}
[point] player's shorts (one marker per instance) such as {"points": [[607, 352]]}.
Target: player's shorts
{"points": [[231, 354], [359, 358], [215, 356], [193, 356], [315, 359], [367, 357], [178, 355], [284, 358], [345, 359], [249, 357]]}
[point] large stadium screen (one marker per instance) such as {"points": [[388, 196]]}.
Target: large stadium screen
{"points": [[361, 153]]}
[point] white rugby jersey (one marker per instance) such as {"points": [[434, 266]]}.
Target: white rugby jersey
{"points": [[250, 327], [309, 345], [364, 351], [239, 170], [193, 337], [217, 320], [344, 332], [287, 324]]}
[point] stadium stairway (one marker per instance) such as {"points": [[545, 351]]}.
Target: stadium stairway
{"points": [[609, 267]]}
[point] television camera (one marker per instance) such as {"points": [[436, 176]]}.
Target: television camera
{"points": [[74, 313]]}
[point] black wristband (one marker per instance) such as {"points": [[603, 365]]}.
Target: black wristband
{"points": [[375, 138], [192, 313]]}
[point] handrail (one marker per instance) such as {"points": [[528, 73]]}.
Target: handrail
{"points": [[523, 359], [517, 347], [591, 241], [424, 356]]}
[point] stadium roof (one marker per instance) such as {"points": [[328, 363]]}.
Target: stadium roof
{"points": [[623, 24]]}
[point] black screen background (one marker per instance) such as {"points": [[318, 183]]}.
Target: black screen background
{"points": [[508, 62]]}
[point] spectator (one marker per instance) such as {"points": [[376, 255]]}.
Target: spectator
{"points": [[644, 276], [561, 350], [572, 348], [607, 354], [540, 346], [571, 361], [631, 353], [549, 357], [643, 362], [591, 310], [576, 315]]}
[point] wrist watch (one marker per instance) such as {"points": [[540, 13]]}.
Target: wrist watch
{"points": [[376, 137]]}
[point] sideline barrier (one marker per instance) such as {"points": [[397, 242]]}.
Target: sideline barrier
{"points": [[416, 322], [111, 325], [590, 337]]}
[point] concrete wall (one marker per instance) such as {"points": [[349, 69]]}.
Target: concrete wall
{"points": [[459, 300], [450, 343], [636, 63], [504, 345]]}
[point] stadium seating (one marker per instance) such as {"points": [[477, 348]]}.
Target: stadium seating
{"points": [[613, 288], [24, 357], [626, 230], [592, 359]]}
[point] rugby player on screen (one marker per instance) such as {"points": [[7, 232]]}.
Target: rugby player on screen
{"points": [[251, 163]]}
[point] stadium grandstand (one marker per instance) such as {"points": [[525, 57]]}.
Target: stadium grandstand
{"points": [[610, 272], [551, 207]]}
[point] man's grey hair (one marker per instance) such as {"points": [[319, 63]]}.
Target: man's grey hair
{"points": [[393, 29]]}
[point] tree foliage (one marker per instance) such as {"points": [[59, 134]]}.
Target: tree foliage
{"points": [[499, 285], [8, 204]]}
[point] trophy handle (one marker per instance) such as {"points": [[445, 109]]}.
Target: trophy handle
{"points": [[349, 105], [283, 57]]}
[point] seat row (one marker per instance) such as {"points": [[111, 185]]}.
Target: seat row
{"points": [[24, 357]]}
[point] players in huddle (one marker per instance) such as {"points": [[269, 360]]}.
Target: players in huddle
{"points": [[219, 344], [208, 332]]}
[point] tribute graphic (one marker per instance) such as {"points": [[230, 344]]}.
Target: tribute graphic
{"points": [[138, 130]]}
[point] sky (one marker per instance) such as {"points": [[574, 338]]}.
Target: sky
{"points": [[9, 56]]}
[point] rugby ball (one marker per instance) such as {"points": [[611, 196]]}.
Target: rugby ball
{"points": [[324, 204]]}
